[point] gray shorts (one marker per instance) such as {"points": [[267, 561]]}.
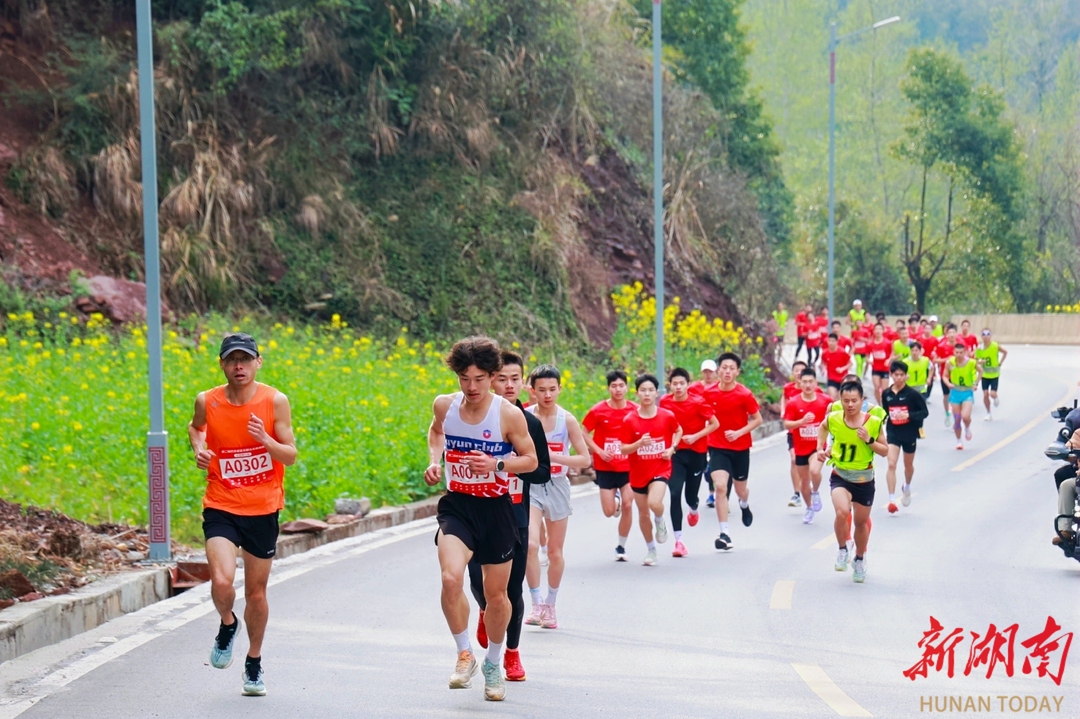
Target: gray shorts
{"points": [[552, 498]]}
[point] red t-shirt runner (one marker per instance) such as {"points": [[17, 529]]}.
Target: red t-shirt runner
{"points": [[879, 355], [942, 352], [929, 343], [844, 342], [648, 462], [836, 364], [860, 341], [970, 341], [815, 332], [605, 422], [698, 388], [733, 409], [692, 414], [805, 437], [791, 389], [890, 334], [800, 324]]}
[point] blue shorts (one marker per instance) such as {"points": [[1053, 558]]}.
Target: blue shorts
{"points": [[959, 396]]}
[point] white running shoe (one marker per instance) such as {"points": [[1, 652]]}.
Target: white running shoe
{"points": [[815, 501], [841, 560], [650, 559], [995, 401], [661, 531], [967, 434], [959, 445], [988, 418], [905, 497], [808, 516], [795, 501], [948, 421], [859, 573]]}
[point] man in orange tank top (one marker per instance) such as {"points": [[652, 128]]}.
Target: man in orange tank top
{"points": [[242, 436]]}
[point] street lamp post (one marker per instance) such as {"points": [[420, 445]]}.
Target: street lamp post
{"points": [[157, 439], [833, 41], [658, 189]]}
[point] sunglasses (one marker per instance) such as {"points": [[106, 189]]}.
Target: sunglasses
{"points": [[986, 333]]}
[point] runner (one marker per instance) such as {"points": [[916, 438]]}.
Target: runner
{"points": [[790, 391], [961, 374], [814, 339], [901, 346], [696, 419], [857, 437], [603, 434], [241, 434], [650, 436], [880, 351], [550, 503], [780, 316], [860, 345], [856, 315], [802, 417], [802, 326], [944, 350], [842, 341], [990, 358], [968, 338], [836, 363], [509, 383], [907, 410], [920, 371], [483, 438], [737, 410], [708, 378], [936, 330]]}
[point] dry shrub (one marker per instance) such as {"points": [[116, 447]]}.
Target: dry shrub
{"points": [[384, 135], [48, 180], [117, 192]]}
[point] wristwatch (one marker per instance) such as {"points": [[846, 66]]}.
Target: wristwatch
{"points": [[499, 465]]}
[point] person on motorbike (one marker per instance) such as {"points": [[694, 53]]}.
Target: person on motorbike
{"points": [[1072, 424], [1066, 479]]}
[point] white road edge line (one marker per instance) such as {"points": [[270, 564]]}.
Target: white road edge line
{"points": [[819, 683], [1012, 437], [781, 594]]}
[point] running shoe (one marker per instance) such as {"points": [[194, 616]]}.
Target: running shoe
{"points": [[536, 615], [988, 418], [680, 549], [650, 558], [995, 401], [254, 686], [620, 553], [841, 560], [859, 573], [948, 422], [808, 516], [494, 684], [905, 496], [547, 617], [543, 557], [723, 542], [618, 503], [795, 501], [815, 501], [747, 516], [512, 666], [893, 509], [464, 670], [221, 654], [661, 531], [481, 631], [692, 517], [711, 501], [967, 434], [959, 445]]}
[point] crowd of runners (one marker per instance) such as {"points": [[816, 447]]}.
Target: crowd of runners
{"points": [[505, 464]]}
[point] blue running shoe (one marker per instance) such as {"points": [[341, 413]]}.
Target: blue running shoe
{"points": [[253, 682], [711, 501], [221, 654], [494, 684]]}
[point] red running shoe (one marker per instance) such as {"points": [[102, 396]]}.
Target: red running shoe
{"points": [[512, 664], [481, 631], [893, 509], [692, 518]]}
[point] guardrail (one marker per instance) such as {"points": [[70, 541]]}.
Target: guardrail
{"points": [[1034, 329]]}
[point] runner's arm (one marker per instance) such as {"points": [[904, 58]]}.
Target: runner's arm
{"points": [[282, 443], [542, 473], [711, 426], [1002, 354], [754, 423], [516, 431], [436, 440], [822, 439], [581, 460], [197, 433], [919, 412], [880, 445]]}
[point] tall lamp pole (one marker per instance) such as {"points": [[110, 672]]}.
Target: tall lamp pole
{"points": [[157, 439], [833, 41], [658, 188]]}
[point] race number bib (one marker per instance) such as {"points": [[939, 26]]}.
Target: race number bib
{"points": [[246, 466], [614, 448], [809, 431], [652, 450], [894, 414], [557, 448], [461, 473], [516, 488]]}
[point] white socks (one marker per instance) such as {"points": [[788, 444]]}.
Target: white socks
{"points": [[651, 546], [743, 504], [678, 535], [723, 527], [494, 653], [552, 593], [623, 541], [462, 641], [658, 518], [537, 598]]}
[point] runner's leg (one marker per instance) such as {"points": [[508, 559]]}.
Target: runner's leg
{"points": [[909, 467], [532, 566], [607, 502], [256, 608], [890, 474], [657, 490], [841, 499], [556, 563], [497, 614], [644, 518], [476, 581], [515, 590], [221, 556], [679, 471], [862, 528], [803, 473], [720, 479], [453, 558]]}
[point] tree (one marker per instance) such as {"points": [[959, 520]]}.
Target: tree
{"points": [[956, 136]]}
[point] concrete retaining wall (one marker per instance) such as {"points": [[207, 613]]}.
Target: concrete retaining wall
{"points": [[1008, 329]]}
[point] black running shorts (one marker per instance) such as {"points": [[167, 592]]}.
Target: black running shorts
{"points": [[834, 383], [944, 387], [861, 492], [906, 445], [486, 525], [735, 462], [257, 535], [645, 489], [990, 383], [803, 460], [790, 441], [611, 480], [882, 375]]}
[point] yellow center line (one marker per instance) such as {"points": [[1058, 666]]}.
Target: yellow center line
{"points": [[826, 689], [781, 594], [1011, 438], [827, 541]]}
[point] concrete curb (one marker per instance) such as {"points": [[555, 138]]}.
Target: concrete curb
{"points": [[30, 626]]}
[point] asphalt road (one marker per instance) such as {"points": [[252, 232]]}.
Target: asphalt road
{"points": [[767, 630]]}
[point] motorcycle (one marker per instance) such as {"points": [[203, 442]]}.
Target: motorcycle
{"points": [[1059, 451]]}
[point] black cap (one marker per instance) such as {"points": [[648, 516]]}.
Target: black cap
{"points": [[238, 341]]}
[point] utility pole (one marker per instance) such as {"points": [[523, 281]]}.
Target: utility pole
{"points": [[658, 188]]}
